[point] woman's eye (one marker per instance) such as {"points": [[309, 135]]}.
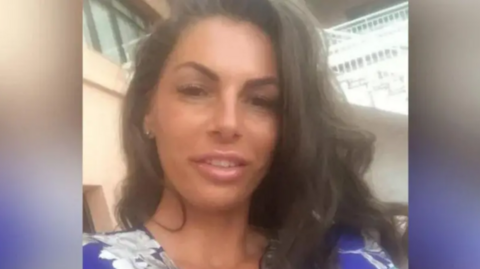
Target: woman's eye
{"points": [[263, 102], [193, 90]]}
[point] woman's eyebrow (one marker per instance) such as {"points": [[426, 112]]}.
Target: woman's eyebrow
{"points": [[252, 83], [260, 82], [200, 68]]}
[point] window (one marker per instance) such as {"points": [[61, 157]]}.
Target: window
{"points": [[86, 32], [112, 28]]}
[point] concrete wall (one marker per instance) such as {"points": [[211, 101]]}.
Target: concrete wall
{"points": [[389, 172], [390, 168], [102, 156], [103, 87], [104, 84]]}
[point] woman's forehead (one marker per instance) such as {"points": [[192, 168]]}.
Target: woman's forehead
{"points": [[228, 46]]}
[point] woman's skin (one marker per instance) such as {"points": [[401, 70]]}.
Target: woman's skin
{"points": [[216, 101]]}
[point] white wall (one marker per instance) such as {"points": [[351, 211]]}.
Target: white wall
{"points": [[389, 171], [103, 167]]}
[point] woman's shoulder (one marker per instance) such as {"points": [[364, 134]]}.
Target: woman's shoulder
{"points": [[361, 250], [354, 250], [124, 249], [118, 238]]}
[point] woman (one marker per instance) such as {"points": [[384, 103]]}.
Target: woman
{"points": [[237, 156]]}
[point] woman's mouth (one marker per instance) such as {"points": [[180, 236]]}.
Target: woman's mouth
{"points": [[221, 163], [220, 167]]}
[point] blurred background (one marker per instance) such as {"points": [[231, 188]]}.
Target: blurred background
{"points": [[368, 52]]}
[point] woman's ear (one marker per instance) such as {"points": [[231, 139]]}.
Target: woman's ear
{"points": [[148, 126]]}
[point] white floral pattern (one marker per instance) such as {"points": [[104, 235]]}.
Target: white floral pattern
{"points": [[137, 249], [130, 250], [371, 252]]}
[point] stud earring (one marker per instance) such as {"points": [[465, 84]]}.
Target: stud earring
{"points": [[149, 134]]}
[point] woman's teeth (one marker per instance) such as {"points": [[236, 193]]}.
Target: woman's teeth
{"points": [[222, 163]]}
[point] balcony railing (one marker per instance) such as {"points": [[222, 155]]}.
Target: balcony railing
{"points": [[374, 21], [370, 58]]}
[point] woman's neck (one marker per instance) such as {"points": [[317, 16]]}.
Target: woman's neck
{"points": [[214, 239]]}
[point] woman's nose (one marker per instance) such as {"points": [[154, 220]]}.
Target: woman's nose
{"points": [[226, 120]]}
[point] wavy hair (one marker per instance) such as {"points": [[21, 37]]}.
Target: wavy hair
{"points": [[316, 180]]}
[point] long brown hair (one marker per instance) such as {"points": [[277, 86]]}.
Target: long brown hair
{"points": [[316, 181]]}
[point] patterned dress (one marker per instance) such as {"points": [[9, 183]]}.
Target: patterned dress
{"points": [[137, 249]]}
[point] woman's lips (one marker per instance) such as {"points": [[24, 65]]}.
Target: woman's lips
{"points": [[220, 166]]}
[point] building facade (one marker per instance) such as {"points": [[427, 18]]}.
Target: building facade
{"points": [[110, 27], [111, 30]]}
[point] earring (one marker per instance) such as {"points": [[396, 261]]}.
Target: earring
{"points": [[148, 133]]}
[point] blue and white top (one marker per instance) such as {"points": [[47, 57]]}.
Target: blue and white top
{"points": [[137, 249]]}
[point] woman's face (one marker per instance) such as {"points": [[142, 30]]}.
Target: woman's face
{"points": [[213, 114]]}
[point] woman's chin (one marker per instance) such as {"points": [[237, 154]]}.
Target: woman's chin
{"points": [[219, 202]]}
